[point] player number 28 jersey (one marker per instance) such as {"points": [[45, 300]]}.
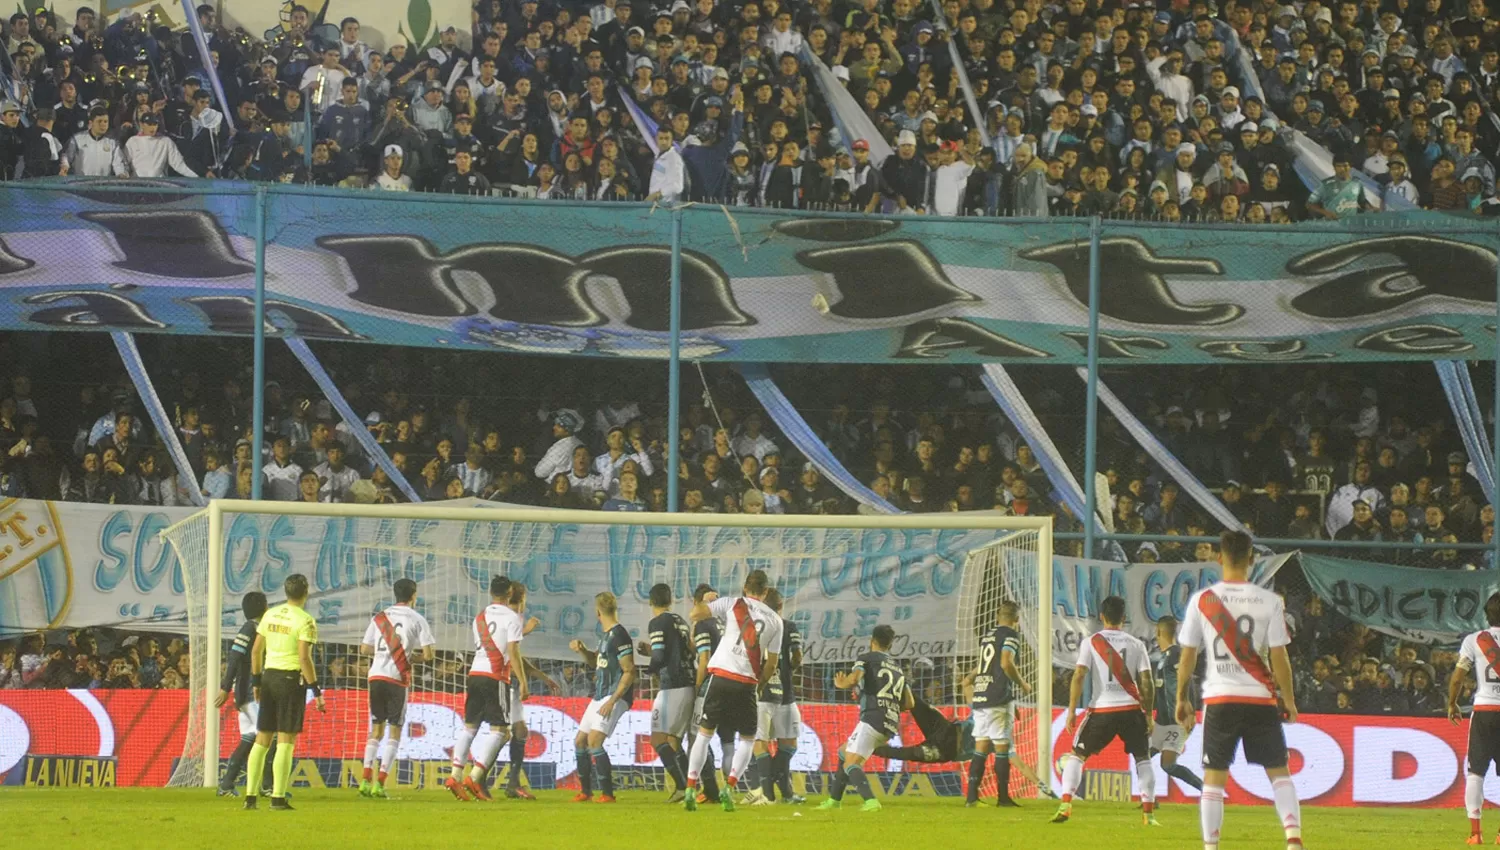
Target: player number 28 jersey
{"points": [[502, 627], [410, 629], [751, 630], [1471, 656], [1260, 615], [1114, 690]]}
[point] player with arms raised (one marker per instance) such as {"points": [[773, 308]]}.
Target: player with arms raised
{"points": [[671, 652], [993, 683], [883, 695], [391, 638], [1237, 623], [236, 684], [1167, 737], [497, 633], [614, 683], [778, 718], [745, 659], [1124, 695], [1480, 655]]}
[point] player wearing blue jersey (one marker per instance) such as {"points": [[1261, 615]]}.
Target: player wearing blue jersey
{"points": [[671, 651], [1167, 737], [883, 695], [995, 682], [614, 683], [236, 685], [706, 636], [778, 719]]}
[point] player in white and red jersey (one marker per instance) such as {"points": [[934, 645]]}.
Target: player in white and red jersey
{"points": [[1239, 623], [1124, 692], [1479, 656], [497, 632], [396, 637], [745, 659]]}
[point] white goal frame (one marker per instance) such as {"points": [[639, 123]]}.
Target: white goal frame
{"points": [[218, 508]]}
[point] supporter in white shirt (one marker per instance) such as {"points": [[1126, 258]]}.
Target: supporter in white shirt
{"points": [[951, 179], [322, 83], [150, 155], [391, 179], [669, 173], [281, 475], [752, 441], [95, 153]]}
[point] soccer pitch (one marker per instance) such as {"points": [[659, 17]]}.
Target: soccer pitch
{"points": [[158, 818]]}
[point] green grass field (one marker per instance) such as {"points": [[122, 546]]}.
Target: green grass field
{"points": [[157, 818]]}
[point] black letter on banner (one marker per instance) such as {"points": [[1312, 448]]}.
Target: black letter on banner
{"points": [[1367, 601], [1136, 289], [401, 273], [185, 244], [1340, 595], [1411, 605], [98, 310], [1416, 339], [1260, 351], [1438, 266], [885, 280], [1466, 604], [644, 273], [235, 314], [1118, 347], [935, 338]]}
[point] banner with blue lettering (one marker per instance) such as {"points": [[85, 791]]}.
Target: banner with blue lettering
{"points": [[1406, 602], [758, 285]]}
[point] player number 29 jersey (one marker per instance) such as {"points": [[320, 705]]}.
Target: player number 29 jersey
{"points": [[502, 627], [1471, 656], [1114, 690], [1259, 615], [751, 631], [411, 630]]}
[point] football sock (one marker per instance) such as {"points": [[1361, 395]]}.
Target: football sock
{"points": [[237, 761], [1072, 775], [1002, 774], [838, 782], [461, 751], [673, 764], [388, 752], [1211, 813], [267, 779], [372, 745], [858, 781], [782, 767], [765, 774], [255, 769], [1287, 808], [604, 772], [1146, 776], [743, 750], [976, 776], [710, 778], [682, 763], [1474, 800], [700, 754], [517, 760], [1177, 770], [283, 770], [486, 748], [585, 765]]}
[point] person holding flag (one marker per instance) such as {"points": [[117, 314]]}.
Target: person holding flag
{"points": [[1245, 700], [1479, 656], [1124, 693], [392, 638]]}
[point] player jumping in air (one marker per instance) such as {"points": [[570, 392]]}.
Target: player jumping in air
{"points": [[671, 652], [1167, 737], [614, 683], [944, 741], [392, 638], [1237, 623], [883, 695], [1479, 655], [994, 682], [706, 637], [497, 633], [745, 659], [778, 719], [281, 668], [236, 684], [1124, 694]]}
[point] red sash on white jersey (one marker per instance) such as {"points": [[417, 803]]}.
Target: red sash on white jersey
{"points": [[749, 637], [1236, 642], [392, 640], [1105, 650], [499, 668]]}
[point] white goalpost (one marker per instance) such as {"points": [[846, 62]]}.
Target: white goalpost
{"points": [[936, 578]]}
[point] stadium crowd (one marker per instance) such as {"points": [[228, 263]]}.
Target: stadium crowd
{"points": [[1190, 110]]}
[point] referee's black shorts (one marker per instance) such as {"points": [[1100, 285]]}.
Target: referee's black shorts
{"points": [[283, 701]]}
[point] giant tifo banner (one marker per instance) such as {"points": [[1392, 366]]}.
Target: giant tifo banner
{"points": [[134, 737], [1403, 601], [757, 285], [68, 565]]}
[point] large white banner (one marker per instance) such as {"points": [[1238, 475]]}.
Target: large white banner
{"points": [[73, 565]]}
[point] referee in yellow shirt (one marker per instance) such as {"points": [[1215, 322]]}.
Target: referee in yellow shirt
{"points": [[281, 667]]}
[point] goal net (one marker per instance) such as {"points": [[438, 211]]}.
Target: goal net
{"points": [[936, 579]]}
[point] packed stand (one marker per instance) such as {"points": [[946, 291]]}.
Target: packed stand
{"points": [[95, 658], [1123, 110]]}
